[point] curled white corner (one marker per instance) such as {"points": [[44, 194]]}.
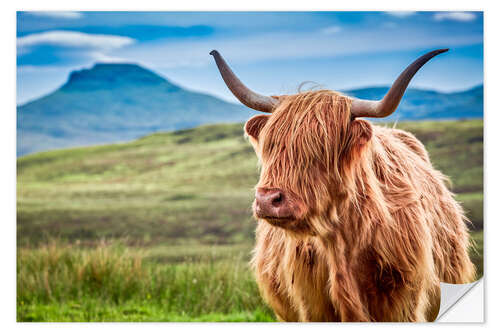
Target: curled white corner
{"points": [[461, 302]]}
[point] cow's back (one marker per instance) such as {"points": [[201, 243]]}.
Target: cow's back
{"points": [[445, 216]]}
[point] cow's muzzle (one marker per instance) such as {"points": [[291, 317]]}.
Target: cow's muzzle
{"points": [[274, 205]]}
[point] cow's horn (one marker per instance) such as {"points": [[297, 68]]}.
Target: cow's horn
{"points": [[387, 105], [246, 96]]}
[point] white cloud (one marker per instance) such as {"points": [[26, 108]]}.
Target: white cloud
{"points": [[455, 16], [72, 39], [401, 13], [58, 14], [331, 30], [27, 69], [103, 57]]}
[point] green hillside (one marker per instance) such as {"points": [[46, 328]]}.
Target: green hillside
{"points": [[187, 186], [190, 186], [160, 229]]}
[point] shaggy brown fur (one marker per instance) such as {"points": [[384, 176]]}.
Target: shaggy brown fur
{"points": [[377, 228]]}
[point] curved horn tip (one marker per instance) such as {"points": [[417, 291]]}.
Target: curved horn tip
{"points": [[386, 106], [240, 91], [443, 50], [439, 51]]}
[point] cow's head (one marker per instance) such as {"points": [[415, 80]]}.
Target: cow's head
{"points": [[308, 144]]}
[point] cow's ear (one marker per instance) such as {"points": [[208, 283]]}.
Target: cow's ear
{"points": [[360, 133], [254, 125]]}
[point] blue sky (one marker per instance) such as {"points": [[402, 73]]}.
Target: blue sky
{"points": [[273, 52]]}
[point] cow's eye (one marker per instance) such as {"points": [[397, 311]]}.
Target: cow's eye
{"points": [[255, 124]]}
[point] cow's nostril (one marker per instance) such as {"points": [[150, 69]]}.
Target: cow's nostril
{"points": [[277, 200]]}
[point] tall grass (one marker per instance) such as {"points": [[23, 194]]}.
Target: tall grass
{"points": [[114, 282], [112, 274]]}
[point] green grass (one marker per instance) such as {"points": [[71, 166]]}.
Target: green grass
{"points": [[113, 282], [128, 312], [176, 208]]}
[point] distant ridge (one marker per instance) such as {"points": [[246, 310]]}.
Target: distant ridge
{"points": [[119, 102], [419, 104]]}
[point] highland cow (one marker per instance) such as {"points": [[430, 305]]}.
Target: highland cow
{"points": [[354, 223]]}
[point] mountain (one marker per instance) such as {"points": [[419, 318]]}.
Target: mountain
{"points": [[120, 102], [114, 103], [418, 104]]}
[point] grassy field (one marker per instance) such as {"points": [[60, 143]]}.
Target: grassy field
{"points": [[174, 211], [114, 282]]}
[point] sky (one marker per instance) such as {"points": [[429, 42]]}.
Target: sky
{"points": [[271, 52]]}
